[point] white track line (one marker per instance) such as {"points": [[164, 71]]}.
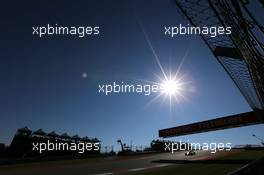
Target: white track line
{"points": [[161, 165], [104, 174], [137, 169], [155, 166]]}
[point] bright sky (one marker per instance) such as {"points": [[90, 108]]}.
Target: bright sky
{"points": [[52, 83]]}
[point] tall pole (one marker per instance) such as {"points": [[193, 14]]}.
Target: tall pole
{"points": [[262, 141]]}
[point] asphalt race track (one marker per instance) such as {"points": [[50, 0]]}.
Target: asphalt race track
{"points": [[102, 166]]}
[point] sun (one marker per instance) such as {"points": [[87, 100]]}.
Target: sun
{"points": [[171, 86]]}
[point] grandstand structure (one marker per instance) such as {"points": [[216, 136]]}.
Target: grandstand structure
{"points": [[22, 143], [241, 54]]}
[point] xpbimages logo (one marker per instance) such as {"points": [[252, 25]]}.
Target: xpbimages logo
{"points": [[80, 147], [212, 31], [145, 89], [50, 30], [182, 146]]}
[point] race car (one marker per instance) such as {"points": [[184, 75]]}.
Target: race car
{"points": [[190, 153]]}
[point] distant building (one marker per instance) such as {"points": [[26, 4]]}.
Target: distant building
{"points": [[22, 143]]}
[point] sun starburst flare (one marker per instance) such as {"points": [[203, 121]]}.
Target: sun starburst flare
{"points": [[173, 88]]}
